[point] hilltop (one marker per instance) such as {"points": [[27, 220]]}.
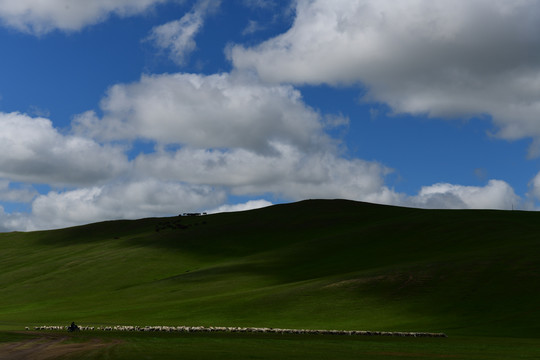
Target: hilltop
{"points": [[316, 264]]}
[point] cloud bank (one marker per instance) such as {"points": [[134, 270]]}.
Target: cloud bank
{"points": [[188, 178], [450, 59], [126, 200], [214, 111], [496, 194], [232, 132], [249, 132]]}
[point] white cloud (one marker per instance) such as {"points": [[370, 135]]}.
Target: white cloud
{"points": [[214, 111], [11, 222], [40, 17], [290, 172], [33, 151], [125, 200], [179, 36], [497, 194], [248, 138], [534, 187], [250, 205], [333, 120], [451, 59], [23, 194]]}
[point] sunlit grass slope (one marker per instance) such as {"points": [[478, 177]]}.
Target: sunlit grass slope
{"points": [[313, 264]]}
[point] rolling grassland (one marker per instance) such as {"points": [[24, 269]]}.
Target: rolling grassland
{"points": [[318, 264]]}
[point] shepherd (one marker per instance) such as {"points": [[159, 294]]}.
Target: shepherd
{"points": [[73, 327]]}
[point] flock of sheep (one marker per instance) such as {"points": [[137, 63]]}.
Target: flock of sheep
{"points": [[194, 329]]}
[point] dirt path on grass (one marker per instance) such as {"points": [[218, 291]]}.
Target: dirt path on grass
{"points": [[49, 346]]}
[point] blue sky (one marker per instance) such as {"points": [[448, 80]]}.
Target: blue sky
{"points": [[133, 108]]}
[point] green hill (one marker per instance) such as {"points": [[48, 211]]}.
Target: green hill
{"points": [[313, 264]]}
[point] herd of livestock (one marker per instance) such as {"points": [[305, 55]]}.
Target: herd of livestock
{"points": [[203, 329]]}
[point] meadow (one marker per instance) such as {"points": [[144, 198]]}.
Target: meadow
{"points": [[316, 264]]}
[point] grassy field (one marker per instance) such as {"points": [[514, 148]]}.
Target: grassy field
{"points": [[321, 264], [117, 345]]}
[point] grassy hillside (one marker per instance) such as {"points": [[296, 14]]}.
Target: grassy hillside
{"points": [[313, 264]]}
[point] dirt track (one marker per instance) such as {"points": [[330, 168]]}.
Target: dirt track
{"points": [[48, 346]]}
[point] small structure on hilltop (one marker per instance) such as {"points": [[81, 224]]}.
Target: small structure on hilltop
{"points": [[193, 214]]}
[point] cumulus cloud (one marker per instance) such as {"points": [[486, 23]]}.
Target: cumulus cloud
{"points": [[33, 151], [454, 59], [534, 187], [178, 36], [40, 17], [214, 111], [250, 205], [497, 194], [11, 222], [290, 172], [124, 200], [23, 194]]}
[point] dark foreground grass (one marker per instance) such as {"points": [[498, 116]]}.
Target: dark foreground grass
{"points": [[264, 346], [7, 337]]}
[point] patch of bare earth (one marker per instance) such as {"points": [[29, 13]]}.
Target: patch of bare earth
{"points": [[49, 346]]}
